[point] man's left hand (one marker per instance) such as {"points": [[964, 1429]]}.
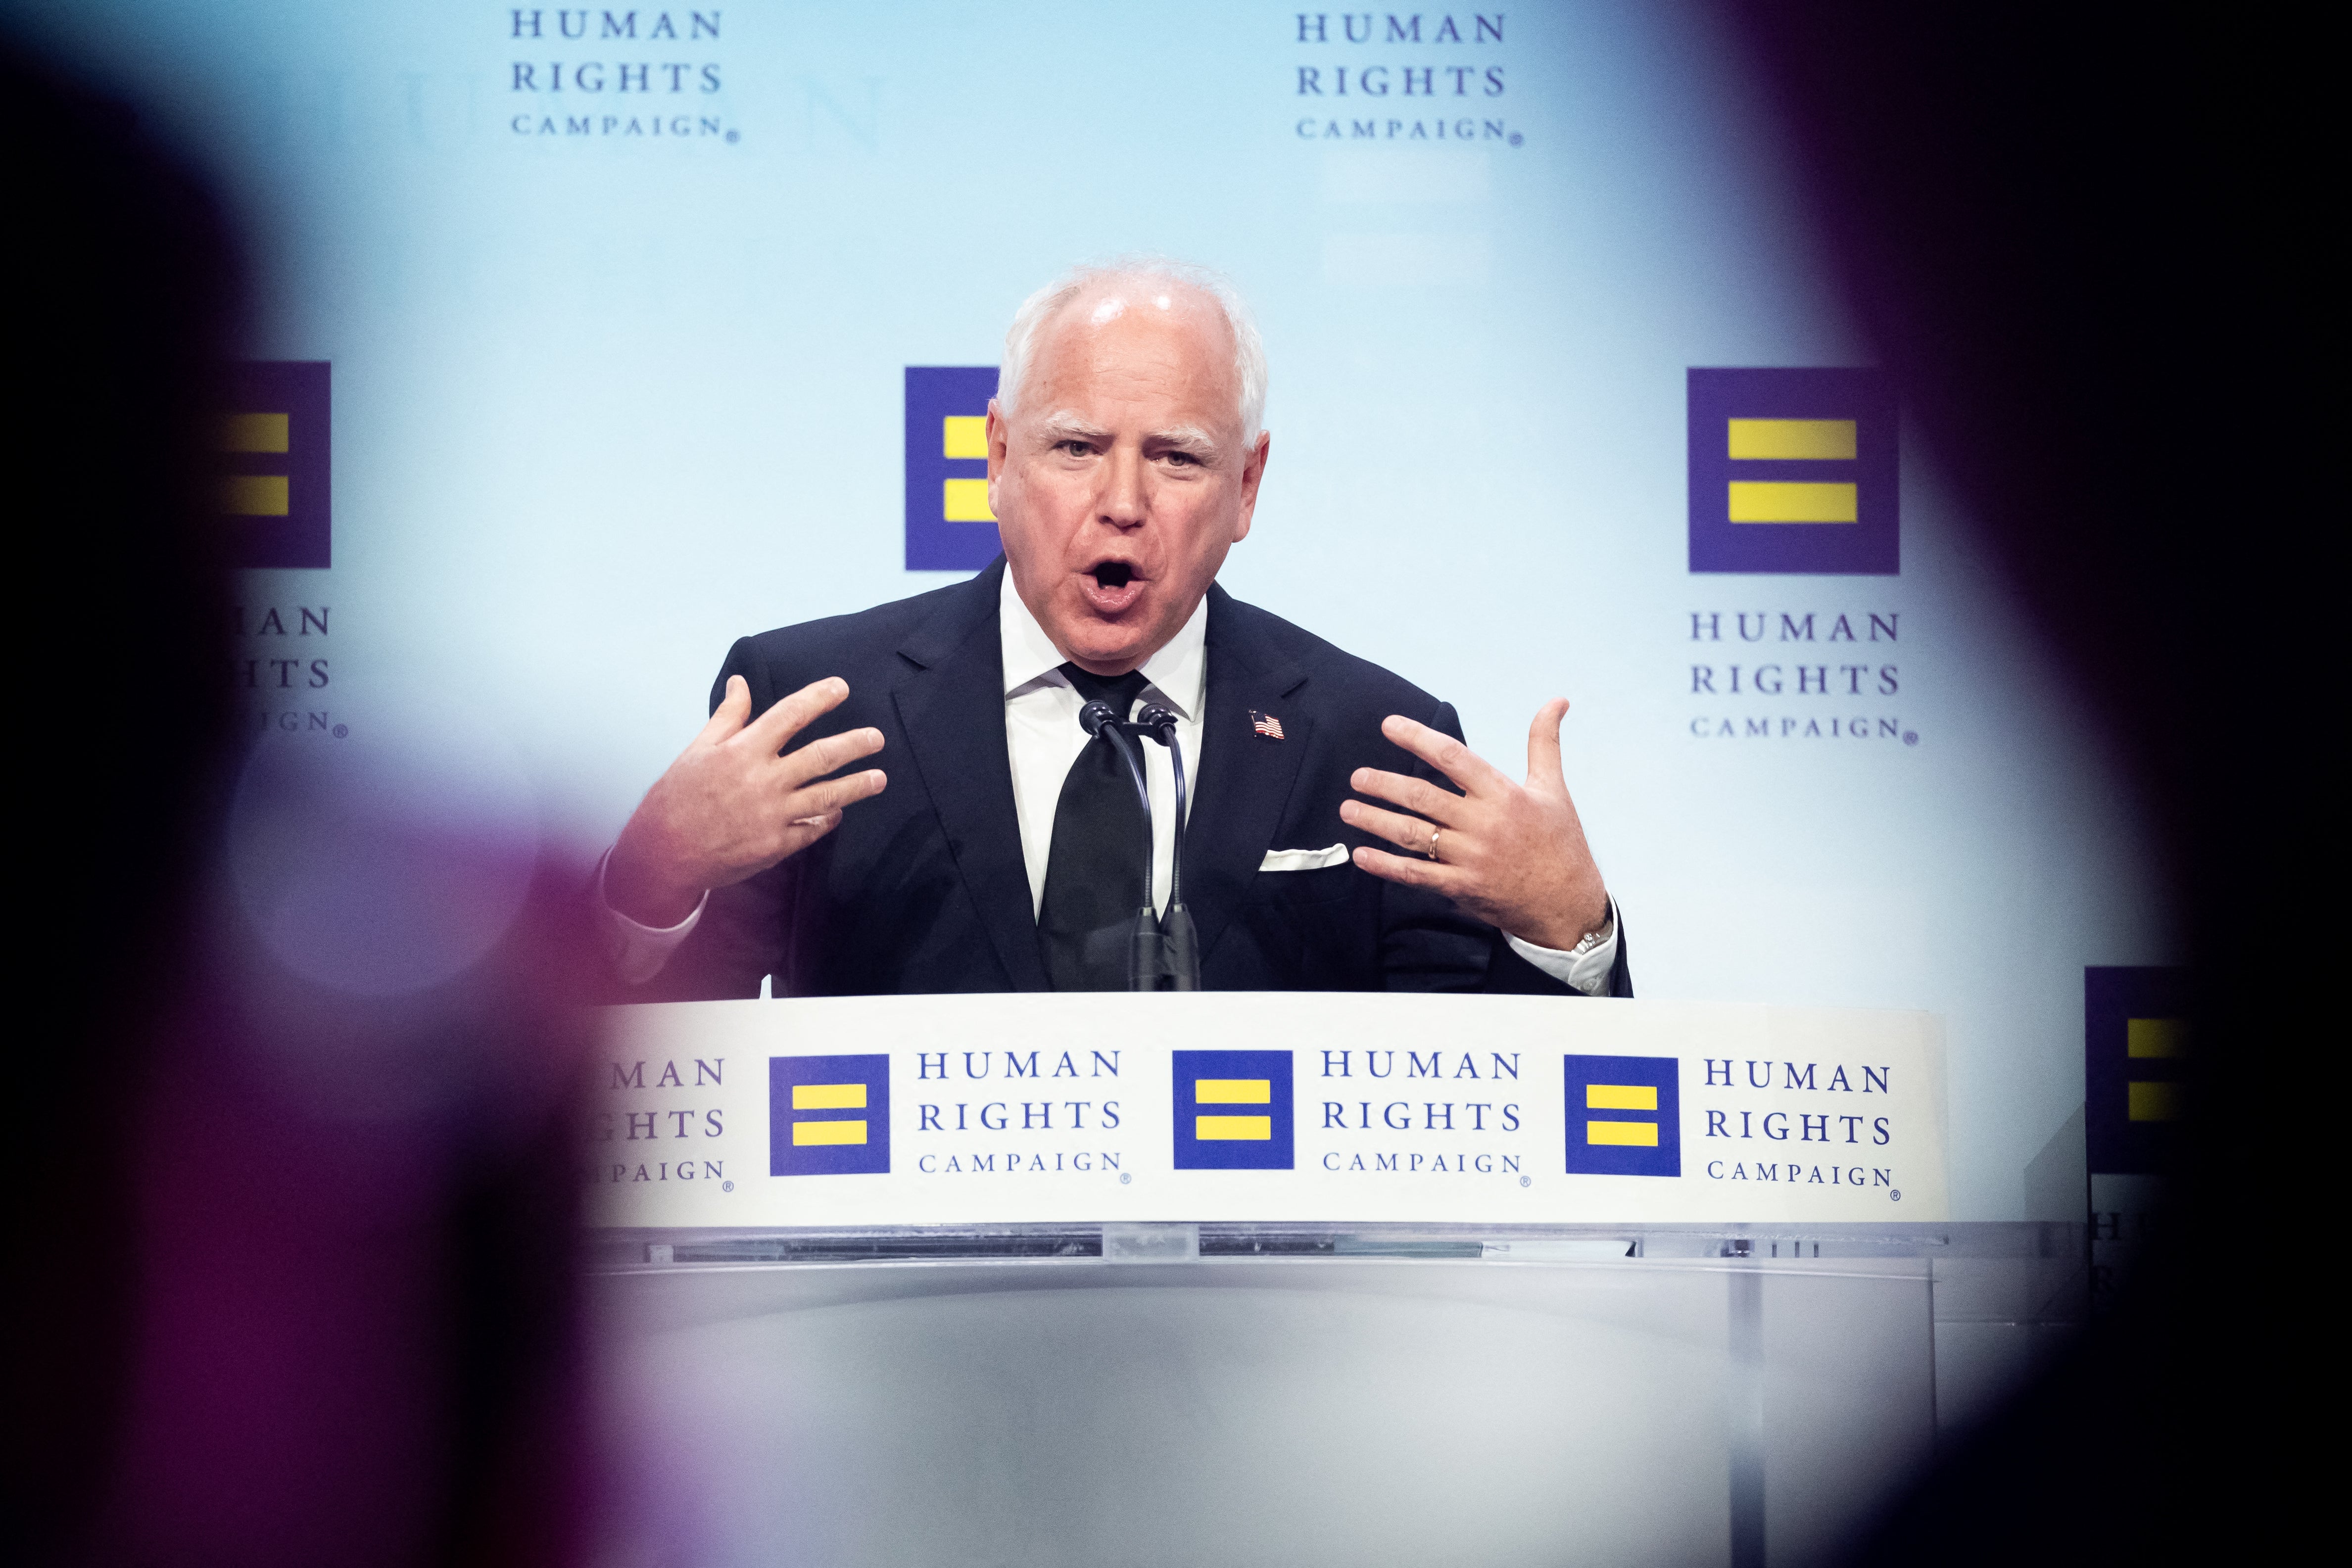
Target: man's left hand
{"points": [[1511, 854]]}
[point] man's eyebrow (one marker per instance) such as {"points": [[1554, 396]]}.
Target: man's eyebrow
{"points": [[1189, 438], [1058, 428]]}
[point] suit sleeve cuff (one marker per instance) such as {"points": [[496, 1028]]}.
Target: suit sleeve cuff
{"points": [[639, 952], [1585, 969]]}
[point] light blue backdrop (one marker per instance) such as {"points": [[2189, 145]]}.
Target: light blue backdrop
{"points": [[604, 403]]}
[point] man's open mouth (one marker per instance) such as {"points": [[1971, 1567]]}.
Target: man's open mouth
{"points": [[1111, 587]]}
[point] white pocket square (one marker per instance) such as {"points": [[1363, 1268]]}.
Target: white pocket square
{"points": [[1303, 860]]}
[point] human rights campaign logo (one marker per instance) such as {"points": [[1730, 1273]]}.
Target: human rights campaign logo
{"points": [[1232, 1110], [2135, 1068], [828, 1115], [275, 446], [1793, 471], [949, 525], [1624, 1115]]}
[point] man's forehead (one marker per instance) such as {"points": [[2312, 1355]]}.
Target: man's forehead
{"points": [[1152, 319]]}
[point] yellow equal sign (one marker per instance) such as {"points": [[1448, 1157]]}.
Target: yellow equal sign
{"points": [[1790, 501], [256, 432], [2156, 1040], [255, 495], [965, 501], [964, 436], [828, 1097], [1633, 1134], [1232, 1091], [1787, 440]]}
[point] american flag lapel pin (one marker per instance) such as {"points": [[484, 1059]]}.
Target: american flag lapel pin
{"points": [[1265, 724]]}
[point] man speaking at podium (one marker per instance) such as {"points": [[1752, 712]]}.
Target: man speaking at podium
{"points": [[1003, 847]]}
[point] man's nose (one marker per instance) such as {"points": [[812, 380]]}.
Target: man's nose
{"points": [[1120, 503]]}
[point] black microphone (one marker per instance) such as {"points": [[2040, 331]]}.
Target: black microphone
{"points": [[1144, 960], [1183, 949]]}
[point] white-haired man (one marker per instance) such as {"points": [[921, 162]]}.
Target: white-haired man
{"points": [[1001, 850]]}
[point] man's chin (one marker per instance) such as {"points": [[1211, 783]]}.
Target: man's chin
{"points": [[1107, 647]]}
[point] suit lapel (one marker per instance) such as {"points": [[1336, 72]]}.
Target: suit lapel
{"points": [[1244, 778], [951, 706]]}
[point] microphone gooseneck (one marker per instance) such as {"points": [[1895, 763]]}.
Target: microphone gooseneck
{"points": [[1099, 718], [1161, 725], [1183, 953], [1145, 959]]}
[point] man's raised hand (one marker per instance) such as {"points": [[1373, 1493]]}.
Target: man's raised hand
{"points": [[730, 807], [1512, 854]]}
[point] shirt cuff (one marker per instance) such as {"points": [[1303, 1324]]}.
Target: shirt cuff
{"points": [[638, 952], [1586, 971]]}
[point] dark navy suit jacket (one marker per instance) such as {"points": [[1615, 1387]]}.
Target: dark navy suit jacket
{"points": [[923, 888]]}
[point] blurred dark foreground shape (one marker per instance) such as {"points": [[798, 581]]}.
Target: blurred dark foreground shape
{"points": [[292, 1280], [2075, 235]]}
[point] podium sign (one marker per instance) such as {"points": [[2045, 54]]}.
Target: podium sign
{"points": [[1262, 1106]]}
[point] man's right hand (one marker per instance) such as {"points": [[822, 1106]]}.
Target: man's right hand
{"points": [[730, 807]]}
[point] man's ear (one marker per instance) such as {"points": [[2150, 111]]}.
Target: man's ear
{"points": [[1252, 472], [998, 434]]}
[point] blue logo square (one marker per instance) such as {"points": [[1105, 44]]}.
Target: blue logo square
{"points": [[1793, 471], [949, 526], [2136, 1040], [277, 456], [1624, 1115], [828, 1115], [1232, 1110]]}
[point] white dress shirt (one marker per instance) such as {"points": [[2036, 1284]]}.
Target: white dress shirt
{"points": [[1043, 735], [1042, 738]]}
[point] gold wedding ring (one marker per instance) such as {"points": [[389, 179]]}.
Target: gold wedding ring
{"points": [[1434, 834]]}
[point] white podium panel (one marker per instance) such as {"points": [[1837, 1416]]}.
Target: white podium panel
{"points": [[1618, 1415], [1262, 1107]]}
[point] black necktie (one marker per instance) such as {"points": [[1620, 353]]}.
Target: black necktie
{"points": [[1094, 873]]}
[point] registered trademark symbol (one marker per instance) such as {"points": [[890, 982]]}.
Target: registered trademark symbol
{"points": [[1895, 1193], [1125, 1177], [1910, 737], [342, 730], [1523, 1181], [1517, 138], [727, 1186]]}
